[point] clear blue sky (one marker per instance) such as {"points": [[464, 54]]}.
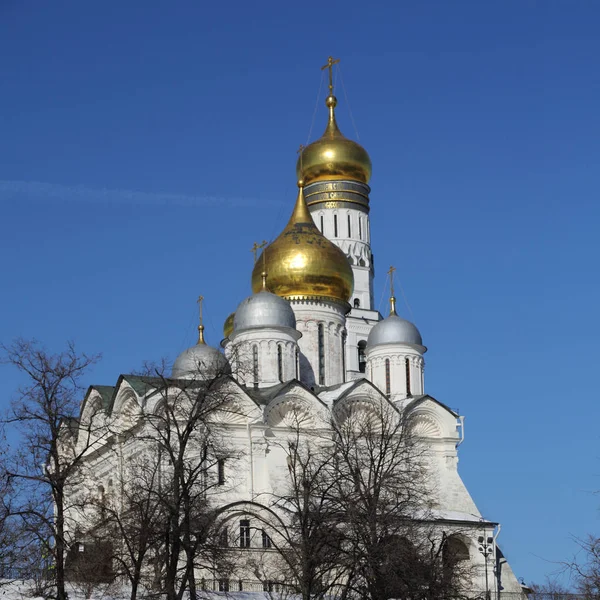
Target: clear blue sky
{"points": [[144, 146]]}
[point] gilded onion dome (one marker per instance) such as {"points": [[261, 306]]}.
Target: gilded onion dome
{"points": [[333, 156], [228, 325], [302, 263]]}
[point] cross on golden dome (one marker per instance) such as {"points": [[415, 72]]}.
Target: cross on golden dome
{"points": [[330, 62]]}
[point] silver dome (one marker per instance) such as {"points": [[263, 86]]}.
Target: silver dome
{"points": [[263, 309], [199, 362], [394, 330]]}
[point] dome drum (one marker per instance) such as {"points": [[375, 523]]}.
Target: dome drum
{"points": [[338, 194]]}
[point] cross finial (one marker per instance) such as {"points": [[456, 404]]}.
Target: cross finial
{"points": [[201, 324], [392, 296], [257, 247], [330, 62], [391, 274]]}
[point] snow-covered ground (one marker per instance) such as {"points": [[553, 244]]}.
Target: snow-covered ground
{"points": [[20, 590]]}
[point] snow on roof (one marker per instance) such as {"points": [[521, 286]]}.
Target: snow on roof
{"points": [[331, 395]]}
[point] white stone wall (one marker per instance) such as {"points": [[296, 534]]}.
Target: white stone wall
{"points": [[397, 355], [310, 315], [268, 342]]}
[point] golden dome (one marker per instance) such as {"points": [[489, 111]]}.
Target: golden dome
{"points": [[228, 325], [333, 156], [302, 263]]}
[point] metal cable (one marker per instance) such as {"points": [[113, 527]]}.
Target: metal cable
{"points": [[348, 103], [316, 107]]}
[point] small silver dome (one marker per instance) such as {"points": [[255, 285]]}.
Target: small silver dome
{"points": [[263, 309], [394, 330], [199, 362]]}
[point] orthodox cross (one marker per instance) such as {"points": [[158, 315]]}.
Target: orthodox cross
{"points": [[257, 247], [330, 62], [199, 302], [200, 326], [391, 274]]}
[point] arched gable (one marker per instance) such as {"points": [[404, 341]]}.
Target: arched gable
{"points": [[297, 407], [431, 419]]}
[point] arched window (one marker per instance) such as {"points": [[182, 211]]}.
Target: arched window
{"points": [[356, 303], [279, 362], [321, 335], [360, 228], [454, 551], [335, 229], [388, 383], [245, 533], [362, 359], [322, 224], [344, 356], [297, 363], [255, 364], [407, 367], [349, 227]]}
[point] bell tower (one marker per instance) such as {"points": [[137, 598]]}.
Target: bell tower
{"points": [[336, 172]]}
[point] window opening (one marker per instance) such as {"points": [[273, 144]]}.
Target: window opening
{"points": [[280, 362], [223, 585], [407, 366], [244, 533], [344, 335], [297, 363], [266, 540], [360, 228], [255, 364], [362, 359], [349, 227], [221, 471], [335, 231], [388, 385], [356, 303], [321, 335], [322, 224]]}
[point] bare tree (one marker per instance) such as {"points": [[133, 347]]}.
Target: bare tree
{"points": [[166, 512], [585, 567], [44, 412], [392, 548], [304, 528]]}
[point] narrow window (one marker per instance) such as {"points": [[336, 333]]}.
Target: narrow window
{"points": [[280, 362], [244, 533], [297, 363], [221, 471], [349, 227], [255, 364], [388, 385], [356, 303], [344, 335], [267, 586], [266, 540], [240, 585], [322, 224], [360, 228], [407, 366], [321, 334], [368, 228], [335, 226], [362, 359], [223, 538], [223, 585]]}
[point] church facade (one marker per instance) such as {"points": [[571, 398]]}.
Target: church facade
{"points": [[305, 349]]}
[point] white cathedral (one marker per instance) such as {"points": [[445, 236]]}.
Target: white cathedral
{"points": [[309, 340]]}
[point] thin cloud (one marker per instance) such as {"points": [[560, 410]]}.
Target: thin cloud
{"points": [[35, 191]]}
